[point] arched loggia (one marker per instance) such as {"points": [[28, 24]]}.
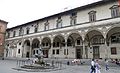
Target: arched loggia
{"points": [[94, 40], [113, 36], [59, 41], [75, 41], [35, 47], [46, 45], [113, 41], [26, 49]]}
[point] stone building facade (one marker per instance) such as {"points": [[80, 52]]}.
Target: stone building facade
{"points": [[90, 31], [3, 26]]}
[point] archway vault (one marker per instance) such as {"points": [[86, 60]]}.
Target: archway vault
{"points": [[94, 40], [91, 33], [113, 35], [111, 31], [46, 42]]}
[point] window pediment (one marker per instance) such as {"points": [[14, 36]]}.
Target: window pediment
{"points": [[114, 6], [92, 12]]}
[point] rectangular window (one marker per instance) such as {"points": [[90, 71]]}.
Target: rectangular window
{"points": [[53, 44], [113, 39], [20, 43], [57, 44], [14, 33], [113, 51], [27, 31], [92, 16], [46, 44], [53, 51], [33, 52], [18, 51], [36, 29], [59, 22], [20, 31], [37, 51], [64, 51], [43, 44], [78, 42], [57, 51], [73, 18], [46, 27], [115, 12], [28, 44]]}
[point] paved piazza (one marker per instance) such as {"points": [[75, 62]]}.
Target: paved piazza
{"points": [[7, 65]]}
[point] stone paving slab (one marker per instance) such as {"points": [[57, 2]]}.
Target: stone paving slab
{"points": [[7, 65]]}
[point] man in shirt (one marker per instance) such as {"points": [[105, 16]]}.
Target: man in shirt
{"points": [[92, 66]]}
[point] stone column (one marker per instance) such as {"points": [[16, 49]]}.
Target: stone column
{"points": [[50, 51], [22, 48], [83, 55], [40, 44], [83, 43], [30, 54], [106, 48], [66, 48]]}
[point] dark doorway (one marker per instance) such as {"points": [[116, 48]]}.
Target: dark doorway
{"points": [[78, 53], [27, 54], [96, 54]]}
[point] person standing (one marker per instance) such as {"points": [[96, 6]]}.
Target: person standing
{"points": [[106, 64], [97, 67], [92, 66]]}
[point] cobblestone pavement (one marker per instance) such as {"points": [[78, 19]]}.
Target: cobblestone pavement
{"points": [[7, 65]]}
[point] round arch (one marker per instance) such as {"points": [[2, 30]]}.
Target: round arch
{"points": [[45, 45], [27, 41], [46, 39], [73, 38], [46, 42], [26, 50], [111, 29], [113, 35], [94, 39], [91, 33], [57, 35], [58, 41], [74, 32], [35, 43], [35, 47]]}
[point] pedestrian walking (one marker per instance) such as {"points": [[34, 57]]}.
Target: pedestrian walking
{"points": [[97, 67], [106, 64], [92, 66]]}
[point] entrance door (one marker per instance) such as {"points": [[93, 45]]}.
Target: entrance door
{"points": [[78, 54], [86, 52], [96, 52], [27, 54]]}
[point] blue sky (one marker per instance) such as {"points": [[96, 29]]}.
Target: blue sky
{"points": [[18, 12]]}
